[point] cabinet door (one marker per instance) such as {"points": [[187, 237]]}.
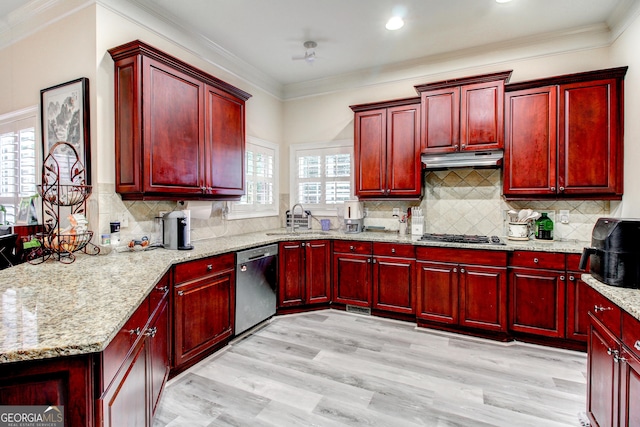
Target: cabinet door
{"points": [[537, 302], [317, 271], [126, 402], [224, 143], [437, 292], [602, 377], [531, 143], [393, 284], [404, 170], [482, 116], [629, 390], [173, 130], [440, 121], [352, 279], [159, 351], [590, 150], [291, 284], [370, 153], [203, 314], [579, 301], [483, 292]]}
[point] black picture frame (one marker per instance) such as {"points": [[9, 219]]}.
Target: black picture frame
{"points": [[64, 111]]}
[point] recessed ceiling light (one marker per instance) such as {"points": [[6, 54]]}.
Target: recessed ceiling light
{"points": [[503, 1], [395, 23]]}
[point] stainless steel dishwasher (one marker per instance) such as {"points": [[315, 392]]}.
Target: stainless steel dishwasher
{"points": [[256, 283]]}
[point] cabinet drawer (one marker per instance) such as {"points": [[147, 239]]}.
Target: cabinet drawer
{"points": [[394, 249], [606, 312], [158, 292], [573, 263], [462, 256], [203, 267], [116, 352], [546, 260], [350, 247], [631, 333]]}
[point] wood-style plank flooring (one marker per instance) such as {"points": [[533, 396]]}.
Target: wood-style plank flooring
{"points": [[331, 368]]}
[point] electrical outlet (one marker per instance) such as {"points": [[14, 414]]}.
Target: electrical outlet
{"points": [[124, 220], [396, 211], [564, 216]]}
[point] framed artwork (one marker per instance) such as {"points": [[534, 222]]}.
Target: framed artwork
{"points": [[27, 212], [65, 117]]}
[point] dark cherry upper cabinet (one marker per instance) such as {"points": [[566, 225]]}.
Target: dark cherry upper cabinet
{"points": [[180, 132], [305, 275], [387, 149], [463, 114], [564, 136]]}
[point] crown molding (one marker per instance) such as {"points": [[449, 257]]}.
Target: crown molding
{"points": [[548, 44], [178, 33]]}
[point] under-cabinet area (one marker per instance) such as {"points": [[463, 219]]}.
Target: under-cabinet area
{"points": [[505, 294]]}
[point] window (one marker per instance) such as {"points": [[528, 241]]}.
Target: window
{"points": [[18, 159], [261, 181], [321, 175]]}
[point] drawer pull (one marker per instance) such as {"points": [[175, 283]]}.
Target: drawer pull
{"points": [[536, 260], [598, 308], [351, 248], [209, 267], [393, 250], [180, 293], [162, 288], [151, 332], [637, 345], [135, 332]]}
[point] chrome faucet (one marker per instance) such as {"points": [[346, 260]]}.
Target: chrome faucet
{"points": [[293, 216]]}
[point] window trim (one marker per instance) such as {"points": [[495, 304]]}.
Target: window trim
{"points": [[293, 169], [235, 208]]}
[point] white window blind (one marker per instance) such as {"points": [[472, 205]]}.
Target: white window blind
{"points": [[18, 159], [321, 175], [261, 181]]}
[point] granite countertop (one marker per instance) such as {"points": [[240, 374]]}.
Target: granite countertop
{"points": [[54, 309]]}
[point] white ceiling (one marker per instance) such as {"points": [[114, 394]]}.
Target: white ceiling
{"points": [[259, 37]]}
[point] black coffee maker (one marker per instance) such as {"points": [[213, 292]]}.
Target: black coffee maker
{"points": [[614, 254]]}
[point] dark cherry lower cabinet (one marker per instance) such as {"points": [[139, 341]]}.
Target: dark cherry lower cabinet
{"points": [[394, 277], [304, 273], [579, 300], [537, 284], [204, 307], [352, 272], [135, 365], [613, 369], [471, 292]]}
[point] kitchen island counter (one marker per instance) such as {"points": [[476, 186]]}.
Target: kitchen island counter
{"points": [[53, 309]]}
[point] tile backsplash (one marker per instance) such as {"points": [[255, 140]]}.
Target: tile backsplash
{"points": [[458, 201]]}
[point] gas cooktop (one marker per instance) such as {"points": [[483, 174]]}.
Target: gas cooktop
{"points": [[462, 238]]}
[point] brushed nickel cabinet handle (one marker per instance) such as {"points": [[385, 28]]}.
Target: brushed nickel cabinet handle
{"points": [[536, 260], [637, 345], [135, 332], [562, 278], [598, 308], [180, 293], [462, 270], [553, 188], [561, 188], [393, 250], [572, 278], [162, 288], [455, 270], [209, 267], [151, 332]]}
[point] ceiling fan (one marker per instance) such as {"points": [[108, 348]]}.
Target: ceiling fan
{"points": [[309, 54]]}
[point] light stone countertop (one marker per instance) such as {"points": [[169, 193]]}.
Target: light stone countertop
{"points": [[626, 299], [54, 309]]}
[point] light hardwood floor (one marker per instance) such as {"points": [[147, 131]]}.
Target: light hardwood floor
{"points": [[330, 368]]}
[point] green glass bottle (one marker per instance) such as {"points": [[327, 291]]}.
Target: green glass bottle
{"points": [[544, 228]]}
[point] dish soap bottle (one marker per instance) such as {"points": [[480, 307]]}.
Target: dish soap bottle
{"points": [[544, 228]]}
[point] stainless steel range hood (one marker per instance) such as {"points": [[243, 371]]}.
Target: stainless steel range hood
{"points": [[463, 159]]}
